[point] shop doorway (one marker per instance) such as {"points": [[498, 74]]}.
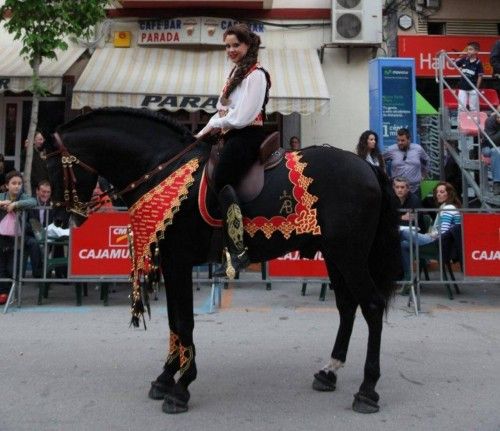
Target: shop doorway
{"points": [[15, 115]]}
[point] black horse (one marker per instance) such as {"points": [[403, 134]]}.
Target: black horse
{"points": [[354, 226]]}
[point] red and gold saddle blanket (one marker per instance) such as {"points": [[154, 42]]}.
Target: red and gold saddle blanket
{"points": [[295, 216], [154, 211]]}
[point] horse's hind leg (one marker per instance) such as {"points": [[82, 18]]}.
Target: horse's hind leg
{"points": [[353, 285], [326, 378]]}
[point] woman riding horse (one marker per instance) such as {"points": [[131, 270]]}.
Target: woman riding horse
{"points": [[238, 123]]}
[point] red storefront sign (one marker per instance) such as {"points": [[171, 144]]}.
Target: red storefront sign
{"points": [[482, 244], [291, 265], [424, 50], [100, 246]]}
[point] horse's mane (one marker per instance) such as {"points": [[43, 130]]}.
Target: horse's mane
{"points": [[144, 113]]}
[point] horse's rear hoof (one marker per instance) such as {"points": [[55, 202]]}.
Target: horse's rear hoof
{"points": [[365, 405], [173, 405], [324, 382], [158, 391]]}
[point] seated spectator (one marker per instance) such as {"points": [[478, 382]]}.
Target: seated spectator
{"points": [[294, 143], [367, 149], [38, 219], [406, 200], [446, 197], [11, 202], [492, 155]]}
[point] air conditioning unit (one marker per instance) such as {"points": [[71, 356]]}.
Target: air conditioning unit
{"points": [[357, 22]]}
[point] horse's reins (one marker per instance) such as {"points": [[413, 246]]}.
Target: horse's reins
{"points": [[72, 201]]}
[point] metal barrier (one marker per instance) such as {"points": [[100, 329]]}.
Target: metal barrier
{"points": [[20, 277], [416, 281], [46, 243]]}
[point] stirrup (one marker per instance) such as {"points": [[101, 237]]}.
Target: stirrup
{"points": [[232, 264]]}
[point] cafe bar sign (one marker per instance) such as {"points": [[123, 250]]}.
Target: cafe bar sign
{"points": [[187, 31]]}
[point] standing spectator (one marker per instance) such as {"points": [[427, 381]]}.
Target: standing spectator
{"points": [[11, 201], [294, 143], [367, 149], [407, 159], [406, 200], [472, 68], [492, 155], [38, 219], [495, 59], [39, 170]]}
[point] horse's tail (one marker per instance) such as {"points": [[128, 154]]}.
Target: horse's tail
{"points": [[385, 256]]}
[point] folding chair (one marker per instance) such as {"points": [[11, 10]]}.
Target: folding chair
{"points": [[451, 248]]}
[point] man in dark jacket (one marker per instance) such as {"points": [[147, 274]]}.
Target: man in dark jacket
{"points": [[38, 219], [406, 200]]}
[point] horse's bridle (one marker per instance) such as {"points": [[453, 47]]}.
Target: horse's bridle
{"points": [[72, 202]]}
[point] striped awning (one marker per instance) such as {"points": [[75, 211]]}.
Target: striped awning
{"points": [[190, 79], [15, 72]]}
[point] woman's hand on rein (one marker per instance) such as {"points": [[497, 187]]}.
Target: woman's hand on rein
{"points": [[211, 132]]}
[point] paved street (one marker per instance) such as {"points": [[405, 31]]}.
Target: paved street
{"points": [[81, 368]]}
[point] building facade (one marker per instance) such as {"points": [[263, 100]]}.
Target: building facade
{"points": [[169, 55]]}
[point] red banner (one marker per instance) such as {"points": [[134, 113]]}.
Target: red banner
{"points": [[425, 48], [100, 246], [291, 265], [482, 244]]}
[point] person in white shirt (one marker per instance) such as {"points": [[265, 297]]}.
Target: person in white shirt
{"points": [[238, 123]]}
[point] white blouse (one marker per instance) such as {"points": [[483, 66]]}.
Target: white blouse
{"points": [[245, 103], [372, 160]]}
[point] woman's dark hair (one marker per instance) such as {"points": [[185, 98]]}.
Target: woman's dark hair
{"points": [[11, 175], [452, 194], [244, 35], [362, 149]]}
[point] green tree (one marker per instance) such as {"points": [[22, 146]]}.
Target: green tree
{"points": [[43, 26]]}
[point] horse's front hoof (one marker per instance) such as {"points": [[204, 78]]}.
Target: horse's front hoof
{"points": [[365, 405], [324, 382], [173, 405], [176, 400], [158, 390]]}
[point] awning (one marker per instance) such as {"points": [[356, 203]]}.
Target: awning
{"points": [[173, 79], [15, 72]]}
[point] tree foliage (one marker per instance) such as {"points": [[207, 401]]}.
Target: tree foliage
{"points": [[43, 26]]}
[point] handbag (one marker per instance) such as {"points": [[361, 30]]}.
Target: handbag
{"points": [[9, 225]]}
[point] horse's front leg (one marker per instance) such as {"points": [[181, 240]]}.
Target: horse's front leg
{"points": [[165, 380], [179, 285]]}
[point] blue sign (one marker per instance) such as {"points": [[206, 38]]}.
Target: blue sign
{"points": [[392, 98], [397, 105]]}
